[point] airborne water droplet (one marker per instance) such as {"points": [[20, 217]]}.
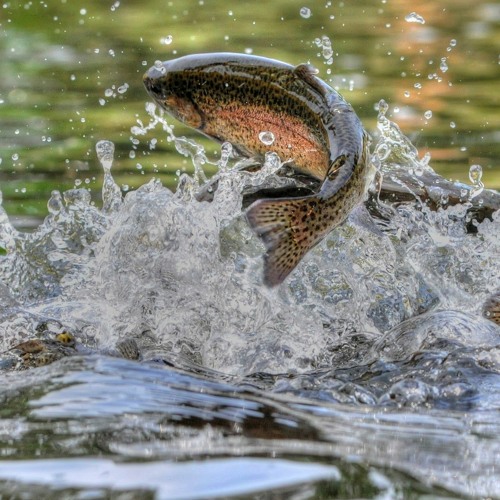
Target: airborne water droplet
{"points": [[105, 152], [123, 88], [111, 194], [305, 12], [443, 66], [414, 18], [475, 175]]}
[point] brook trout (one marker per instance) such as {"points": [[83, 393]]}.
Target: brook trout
{"points": [[234, 98]]}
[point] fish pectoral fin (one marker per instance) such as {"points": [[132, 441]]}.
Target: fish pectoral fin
{"points": [[284, 225]]}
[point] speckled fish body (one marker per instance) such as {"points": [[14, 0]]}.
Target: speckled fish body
{"points": [[491, 308], [234, 98]]}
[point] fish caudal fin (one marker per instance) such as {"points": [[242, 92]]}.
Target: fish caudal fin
{"points": [[289, 228]]}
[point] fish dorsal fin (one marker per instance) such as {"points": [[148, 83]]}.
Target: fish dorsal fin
{"points": [[307, 73]]}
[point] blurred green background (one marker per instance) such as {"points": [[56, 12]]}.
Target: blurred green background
{"points": [[71, 75]]}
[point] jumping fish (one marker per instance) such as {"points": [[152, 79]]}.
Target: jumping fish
{"points": [[235, 98]]}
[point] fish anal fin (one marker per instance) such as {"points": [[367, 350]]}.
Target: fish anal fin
{"points": [[289, 228]]}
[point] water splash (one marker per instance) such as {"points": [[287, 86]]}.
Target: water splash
{"points": [[475, 175], [185, 275]]}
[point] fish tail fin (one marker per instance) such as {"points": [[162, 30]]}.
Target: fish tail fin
{"points": [[289, 228]]}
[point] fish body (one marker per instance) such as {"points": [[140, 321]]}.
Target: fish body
{"points": [[491, 308], [235, 98]]}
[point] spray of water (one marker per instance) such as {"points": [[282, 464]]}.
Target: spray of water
{"points": [[183, 276]]}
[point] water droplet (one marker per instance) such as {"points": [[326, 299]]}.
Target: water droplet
{"points": [[443, 66], [102, 101], [413, 17], [108, 92], [167, 40], [159, 66], [266, 138], [453, 42], [55, 204], [123, 88], [83, 12], [475, 175], [15, 156], [327, 47], [453, 124], [305, 12], [382, 107], [428, 114], [105, 152], [225, 153], [407, 94], [417, 85]]}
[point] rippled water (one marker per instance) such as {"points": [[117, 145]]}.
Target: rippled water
{"points": [[371, 372]]}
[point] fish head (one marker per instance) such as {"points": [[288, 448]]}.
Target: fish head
{"points": [[169, 88]]}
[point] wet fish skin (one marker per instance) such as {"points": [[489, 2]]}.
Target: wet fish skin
{"points": [[491, 308], [234, 97]]}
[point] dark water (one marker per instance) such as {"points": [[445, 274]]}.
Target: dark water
{"points": [[371, 373]]}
